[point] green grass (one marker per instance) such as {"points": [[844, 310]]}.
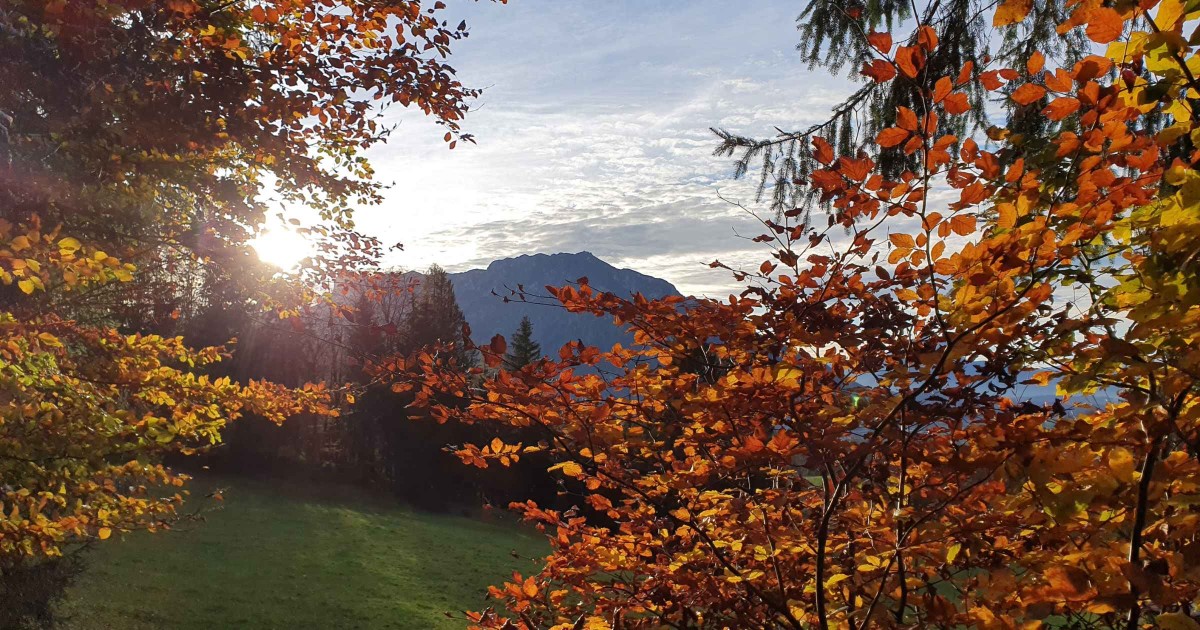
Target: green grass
{"points": [[280, 557]]}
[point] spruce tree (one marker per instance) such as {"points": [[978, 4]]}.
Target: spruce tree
{"points": [[523, 349], [833, 38], [436, 316]]}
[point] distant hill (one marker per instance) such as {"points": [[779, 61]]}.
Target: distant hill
{"points": [[488, 314]]}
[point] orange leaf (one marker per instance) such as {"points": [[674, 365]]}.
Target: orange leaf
{"points": [[1060, 81], [1028, 93], [856, 170], [824, 152], [891, 137], [1061, 107], [1104, 25], [1008, 215], [964, 75], [1070, 583], [991, 79], [942, 89], [902, 240], [910, 59], [927, 37], [880, 41], [1011, 12], [957, 103], [962, 224], [1036, 62], [906, 119], [1091, 67]]}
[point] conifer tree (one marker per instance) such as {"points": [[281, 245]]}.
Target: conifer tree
{"points": [[524, 350], [849, 36], [436, 316]]}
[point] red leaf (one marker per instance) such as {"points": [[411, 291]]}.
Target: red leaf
{"points": [[879, 70], [1060, 81], [824, 152], [1090, 67]]}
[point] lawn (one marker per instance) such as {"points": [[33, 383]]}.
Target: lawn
{"points": [[278, 556]]}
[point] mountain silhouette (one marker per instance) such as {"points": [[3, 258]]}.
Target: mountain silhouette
{"points": [[488, 313]]}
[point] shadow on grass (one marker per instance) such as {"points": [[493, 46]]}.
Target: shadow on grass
{"points": [[274, 557]]}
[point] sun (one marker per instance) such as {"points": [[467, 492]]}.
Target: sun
{"points": [[282, 248]]}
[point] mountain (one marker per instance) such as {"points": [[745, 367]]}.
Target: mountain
{"points": [[553, 327]]}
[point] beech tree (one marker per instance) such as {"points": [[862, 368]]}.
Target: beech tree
{"points": [[843, 443], [140, 144]]}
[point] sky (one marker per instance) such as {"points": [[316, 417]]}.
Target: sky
{"points": [[593, 134]]}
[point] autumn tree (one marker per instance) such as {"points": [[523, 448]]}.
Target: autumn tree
{"points": [[523, 350], [141, 142], [859, 455]]}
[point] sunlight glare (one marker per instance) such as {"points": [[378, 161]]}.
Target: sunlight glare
{"points": [[282, 248]]}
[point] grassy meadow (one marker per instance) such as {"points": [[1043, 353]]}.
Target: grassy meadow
{"points": [[282, 556]]}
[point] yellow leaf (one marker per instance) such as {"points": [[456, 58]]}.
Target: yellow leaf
{"points": [[1011, 12], [1121, 462], [570, 469], [69, 245], [104, 533], [1169, 12], [26, 286], [1008, 215], [834, 579], [952, 552]]}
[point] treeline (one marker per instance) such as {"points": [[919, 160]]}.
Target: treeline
{"points": [[376, 441]]}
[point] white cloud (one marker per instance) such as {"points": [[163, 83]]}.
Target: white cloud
{"points": [[594, 134]]}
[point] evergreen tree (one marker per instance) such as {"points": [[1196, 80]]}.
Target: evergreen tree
{"points": [[436, 316], [523, 349], [419, 468], [834, 36]]}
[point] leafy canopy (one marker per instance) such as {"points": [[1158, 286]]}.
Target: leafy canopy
{"points": [[845, 443], [141, 143]]}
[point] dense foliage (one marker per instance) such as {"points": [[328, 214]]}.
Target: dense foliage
{"points": [[141, 143], [844, 444]]}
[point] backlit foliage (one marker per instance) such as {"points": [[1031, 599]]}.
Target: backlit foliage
{"points": [[140, 144], [844, 444]]}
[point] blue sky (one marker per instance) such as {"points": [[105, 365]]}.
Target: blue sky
{"points": [[593, 135]]}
